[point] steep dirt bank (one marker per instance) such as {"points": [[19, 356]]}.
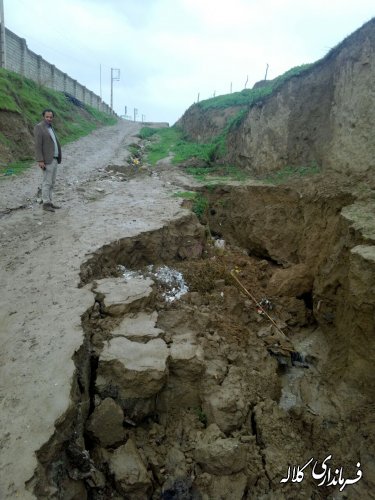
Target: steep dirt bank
{"points": [[323, 242], [325, 116], [203, 125], [17, 139]]}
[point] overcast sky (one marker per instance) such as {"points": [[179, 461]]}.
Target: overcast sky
{"points": [[168, 51]]}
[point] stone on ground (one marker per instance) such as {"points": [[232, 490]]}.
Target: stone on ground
{"points": [[135, 370], [130, 473], [139, 327], [219, 455], [106, 422], [119, 294]]}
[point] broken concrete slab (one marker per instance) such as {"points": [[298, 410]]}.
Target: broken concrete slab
{"points": [[139, 327], [135, 370], [120, 294]]}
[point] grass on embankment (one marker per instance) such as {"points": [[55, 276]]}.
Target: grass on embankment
{"points": [[249, 97], [170, 141], [25, 98]]}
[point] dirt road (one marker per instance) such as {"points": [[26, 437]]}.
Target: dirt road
{"points": [[41, 304]]}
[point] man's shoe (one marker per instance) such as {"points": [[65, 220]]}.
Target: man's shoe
{"points": [[55, 206], [48, 207]]}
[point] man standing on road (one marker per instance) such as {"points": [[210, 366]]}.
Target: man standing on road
{"points": [[48, 156]]}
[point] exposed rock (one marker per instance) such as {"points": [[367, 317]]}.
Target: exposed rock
{"points": [[120, 294], [186, 367], [226, 404], [136, 409], [130, 473], [136, 370], [139, 327], [106, 422], [175, 462], [293, 281], [220, 455], [224, 456]]}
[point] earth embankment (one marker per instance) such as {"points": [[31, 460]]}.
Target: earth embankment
{"points": [[324, 116]]}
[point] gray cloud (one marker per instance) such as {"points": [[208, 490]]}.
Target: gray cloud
{"points": [[169, 50]]}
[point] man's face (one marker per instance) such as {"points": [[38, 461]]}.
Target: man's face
{"points": [[48, 117]]}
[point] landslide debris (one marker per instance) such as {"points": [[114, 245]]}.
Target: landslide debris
{"points": [[203, 397]]}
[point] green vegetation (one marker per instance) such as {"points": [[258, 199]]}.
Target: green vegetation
{"points": [[186, 195], [168, 141], [147, 132], [171, 141], [216, 174], [287, 173], [248, 97], [200, 202], [15, 168], [200, 205], [26, 98], [202, 417]]}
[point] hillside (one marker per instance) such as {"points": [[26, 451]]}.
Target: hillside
{"points": [[322, 114], [21, 104]]}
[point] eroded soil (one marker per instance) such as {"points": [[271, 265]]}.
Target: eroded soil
{"points": [[124, 394]]}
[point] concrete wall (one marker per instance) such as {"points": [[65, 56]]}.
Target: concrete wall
{"points": [[30, 65]]}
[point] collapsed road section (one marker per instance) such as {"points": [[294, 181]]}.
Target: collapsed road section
{"points": [[148, 355], [206, 367]]}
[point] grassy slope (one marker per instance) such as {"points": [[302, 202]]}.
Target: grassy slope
{"points": [[172, 140], [26, 99], [249, 97]]}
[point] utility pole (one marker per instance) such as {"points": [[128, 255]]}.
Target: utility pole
{"points": [[247, 79], [126, 110], [115, 76], [2, 37], [143, 118], [230, 87], [135, 114], [198, 97]]}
